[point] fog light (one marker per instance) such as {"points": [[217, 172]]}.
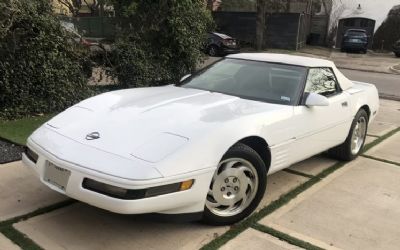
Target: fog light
{"points": [[185, 185]]}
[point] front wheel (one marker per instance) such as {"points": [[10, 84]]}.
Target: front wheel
{"points": [[355, 140], [237, 186]]}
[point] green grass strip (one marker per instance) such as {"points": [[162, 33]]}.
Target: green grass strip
{"points": [[17, 131], [283, 200], [382, 160], [36, 212], [291, 171], [379, 140], [19, 238], [285, 237]]}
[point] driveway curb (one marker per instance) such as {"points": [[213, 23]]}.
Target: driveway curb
{"points": [[393, 69]]}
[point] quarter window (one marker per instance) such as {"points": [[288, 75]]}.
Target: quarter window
{"points": [[321, 81]]}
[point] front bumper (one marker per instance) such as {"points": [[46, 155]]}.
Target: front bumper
{"points": [[229, 50], [354, 46], [187, 201]]}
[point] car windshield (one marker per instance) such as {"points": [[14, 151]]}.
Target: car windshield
{"points": [[254, 80]]}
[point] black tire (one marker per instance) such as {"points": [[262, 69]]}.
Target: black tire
{"points": [[397, 54], [212, 50], [245, 152], [364, 51], [343, 152], [343, 50]]}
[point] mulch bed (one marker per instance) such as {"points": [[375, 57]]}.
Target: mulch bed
{"points": [[9, 151]]}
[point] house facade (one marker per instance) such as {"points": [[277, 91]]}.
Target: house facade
{"points": [[359, 14], [287, 23]]}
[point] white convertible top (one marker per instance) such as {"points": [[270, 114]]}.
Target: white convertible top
{"points": [[296, 60]]}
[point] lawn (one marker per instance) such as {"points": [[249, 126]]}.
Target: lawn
{"points": [[18, 130]]}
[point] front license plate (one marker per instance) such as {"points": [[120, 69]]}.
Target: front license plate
{"points": [[56, 176]]}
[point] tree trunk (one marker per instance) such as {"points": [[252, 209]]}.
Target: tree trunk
{"points": [[260, 24], [101, 13], [210, 4], [287, 6], [328, 12]]}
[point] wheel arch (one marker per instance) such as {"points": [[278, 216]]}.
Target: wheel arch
{"points": [[260, 145], [367, 109]]}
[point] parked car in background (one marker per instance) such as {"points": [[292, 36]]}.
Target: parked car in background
{"points": [[221, 44], [70, 27], [396, 48], [355, 40]]}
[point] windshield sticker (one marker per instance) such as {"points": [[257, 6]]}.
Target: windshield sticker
{"points": [[285, 98]]}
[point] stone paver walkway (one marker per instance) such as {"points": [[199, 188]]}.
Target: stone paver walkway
{"points": [[21, 192], [253, 239], [357, 207]]}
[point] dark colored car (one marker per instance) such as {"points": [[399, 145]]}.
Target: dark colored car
{"points": [[396, 48], [355, 40], [221, 44]]}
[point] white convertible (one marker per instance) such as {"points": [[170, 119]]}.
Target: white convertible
{"points": [[206, 144]]}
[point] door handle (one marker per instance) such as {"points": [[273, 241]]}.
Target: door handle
{"points": [[344, 104]]}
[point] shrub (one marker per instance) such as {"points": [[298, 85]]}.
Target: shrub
{"points": [[159, 40], [42, 69], [389, 32]]}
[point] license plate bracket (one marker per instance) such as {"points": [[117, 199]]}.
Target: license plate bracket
{"points": [[56, 175]]}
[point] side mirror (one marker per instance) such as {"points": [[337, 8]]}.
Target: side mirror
{"points": [[314, 99], [185, 77]]}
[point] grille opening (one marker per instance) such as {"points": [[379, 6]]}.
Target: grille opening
{"points": [[32, 156]]}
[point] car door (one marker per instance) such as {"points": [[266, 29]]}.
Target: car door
{"points": [[319, 128]]}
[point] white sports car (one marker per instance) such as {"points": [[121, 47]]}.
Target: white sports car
{"points": [[205, 145]]}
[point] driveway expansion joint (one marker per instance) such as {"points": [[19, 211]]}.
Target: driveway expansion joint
{"points": [[20, 239], [382, 160], [380, 139], [285, 237], [295, 172]]}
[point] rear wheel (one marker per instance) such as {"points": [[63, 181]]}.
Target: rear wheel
{"points": [[237, 186], [355, 140], [212, 50], [397, 54]]}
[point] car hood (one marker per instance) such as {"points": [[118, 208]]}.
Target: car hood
{"points": [[151, 123]]}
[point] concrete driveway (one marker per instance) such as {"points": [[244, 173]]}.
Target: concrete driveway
{"points": [[316, 203]]}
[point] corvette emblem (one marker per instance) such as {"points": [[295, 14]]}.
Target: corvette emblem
{"points": [[93, 136]]}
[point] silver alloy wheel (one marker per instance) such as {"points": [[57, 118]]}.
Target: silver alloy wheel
{"points": [[233, 187], [358, 136]]}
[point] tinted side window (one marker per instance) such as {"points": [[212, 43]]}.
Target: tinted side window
{"points": [[321, 81]]}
